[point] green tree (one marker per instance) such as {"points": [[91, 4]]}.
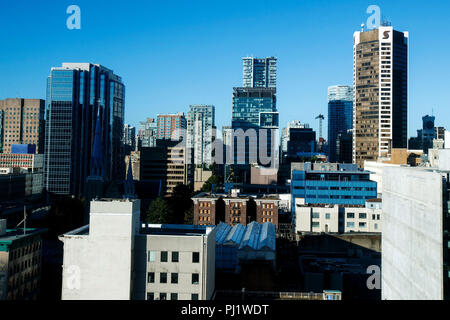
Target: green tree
{"points": [[179, 202], [189, 216], [159, 212], [214, 179]]}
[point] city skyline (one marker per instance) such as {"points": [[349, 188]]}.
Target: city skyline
{"points": [[302, 81]]}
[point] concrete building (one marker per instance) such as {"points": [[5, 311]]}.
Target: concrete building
{"points": [[259, 72], [29, 162], [179, 264], [147, 133], [20, 263], [201, 175], [167, 162], [415, 237], [171, 126], [129, 138], [117, 258], [380, 85], [332, 218], [99, 257], [22, 122], [263, 176], [200, 133]]}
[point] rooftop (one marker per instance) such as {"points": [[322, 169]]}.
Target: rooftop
{"points": [[175, 229], [254, 236], [12, 235]]}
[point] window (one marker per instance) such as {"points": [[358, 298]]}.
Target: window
{"points": [[362, 215], [150, 296], [195, 278], [376, 226], [362, 224], [327, 216], [316, 224], [350, 215], [174, 278], [174, 296], [195, 257], [163, 256], [163, 277], [151, 256], [194, 296], [316, 215], [151, 277], [350, 224], [162, 296], [175, 256]]}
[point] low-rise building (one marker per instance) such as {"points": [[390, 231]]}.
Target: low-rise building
{"points": [[240, 244], [117, 258], [20, 263], [180, 262], [331, 218]]}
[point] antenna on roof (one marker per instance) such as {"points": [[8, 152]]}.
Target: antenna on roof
{"points": [[362, 27]]}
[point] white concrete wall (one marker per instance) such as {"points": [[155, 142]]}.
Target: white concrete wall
{"points": [[98, 266], [372, 220], [304, 219], [412, 252], [185, 246]]}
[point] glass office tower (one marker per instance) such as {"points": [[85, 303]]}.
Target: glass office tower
{"points": [[254, 122], [76, 92], [340, 116]]}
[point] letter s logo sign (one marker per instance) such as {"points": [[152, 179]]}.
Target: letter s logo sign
{"points": [[386, 35]]}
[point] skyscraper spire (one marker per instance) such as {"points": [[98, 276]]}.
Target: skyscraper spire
{"points": [[97, 150], [129, 191]]}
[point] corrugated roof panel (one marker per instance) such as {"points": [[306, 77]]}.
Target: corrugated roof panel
{"points": [[222, 231], [267, 237], [236, 233]]}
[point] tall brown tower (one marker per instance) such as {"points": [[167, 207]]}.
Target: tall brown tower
{"points": [[380, 81]]}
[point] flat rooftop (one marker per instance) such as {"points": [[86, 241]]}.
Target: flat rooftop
{"points": [[175, 229], [12, 235]]}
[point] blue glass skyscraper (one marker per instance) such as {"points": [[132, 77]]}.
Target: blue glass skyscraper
{"points": [[254, 123], [76, 94], [340, 116]]}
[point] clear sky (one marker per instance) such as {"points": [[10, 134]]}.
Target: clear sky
{"points": [[171, 54]]}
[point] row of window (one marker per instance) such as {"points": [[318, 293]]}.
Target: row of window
{"points": [[173, 296], [174, 256], [195, 277]]}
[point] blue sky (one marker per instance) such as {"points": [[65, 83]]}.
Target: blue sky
{"points": [[171, 54]]}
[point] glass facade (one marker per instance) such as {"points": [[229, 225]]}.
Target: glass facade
{"points": [[333, 187], [253, 109], [340, 116], [75, 94]]}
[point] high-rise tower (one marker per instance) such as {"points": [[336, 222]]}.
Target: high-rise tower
{"points": [[380, 83]]}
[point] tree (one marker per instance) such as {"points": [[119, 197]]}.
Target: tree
{"points": [[214, 179], [189, 216], [159, 212], [179, 202]]}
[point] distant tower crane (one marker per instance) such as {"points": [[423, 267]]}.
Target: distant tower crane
{"points": [[321, 118]]}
